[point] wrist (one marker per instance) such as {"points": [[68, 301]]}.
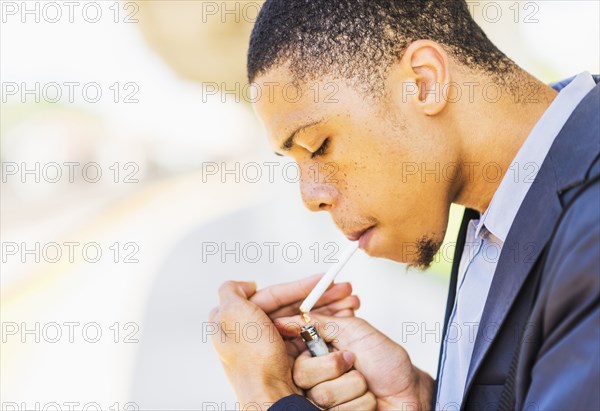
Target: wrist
{"points": [[425, 386], [416, 395]]}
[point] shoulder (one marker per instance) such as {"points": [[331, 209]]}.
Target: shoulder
{"points": [[563, 367], [571, 284]]}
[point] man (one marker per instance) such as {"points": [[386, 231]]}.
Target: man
{"points": [[417, 83]]}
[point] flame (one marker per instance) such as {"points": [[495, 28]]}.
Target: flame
{"points": [[306, 318]]}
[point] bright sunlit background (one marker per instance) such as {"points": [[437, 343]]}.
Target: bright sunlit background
{"points": [[127, 177]]}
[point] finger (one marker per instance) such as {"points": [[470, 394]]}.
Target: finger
{"points": [[280, 295], [291, 326], [336, 292], [367, 402], [341, 332], [236, 289], [310, 371], [294, 347], [350, 386], [298, 343], [351, 302], [344, 313]]}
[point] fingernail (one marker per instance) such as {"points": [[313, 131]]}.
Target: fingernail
{"points": [[348, 357]]}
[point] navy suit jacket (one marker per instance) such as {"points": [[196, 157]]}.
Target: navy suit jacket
{"points": [[559, 361]]}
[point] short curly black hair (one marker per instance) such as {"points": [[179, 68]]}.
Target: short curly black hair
{"points": [[358, 40]]}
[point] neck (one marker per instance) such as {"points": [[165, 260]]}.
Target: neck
{"points": [[492, 132]]}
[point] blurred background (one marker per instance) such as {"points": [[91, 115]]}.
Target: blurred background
{"points": [[136, 179]]}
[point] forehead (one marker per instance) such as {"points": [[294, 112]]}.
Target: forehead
{"points": [[284, 104]]}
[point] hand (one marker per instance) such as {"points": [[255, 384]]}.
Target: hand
{"points": [[330, 381], [385, 365], [258, 362], [283, 300], [255, 360]]}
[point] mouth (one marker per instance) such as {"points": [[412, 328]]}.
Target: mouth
{"points": [[363, 236]]}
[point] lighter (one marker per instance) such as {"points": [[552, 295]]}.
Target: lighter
{"points": [[316, 345]]}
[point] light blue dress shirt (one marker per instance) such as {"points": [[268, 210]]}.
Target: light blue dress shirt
{"points": [[486, 236]]}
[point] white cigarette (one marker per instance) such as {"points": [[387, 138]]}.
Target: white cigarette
{"points": [[327, 279]]}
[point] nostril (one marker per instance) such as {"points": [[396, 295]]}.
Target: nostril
{"points": [[322, 206]]}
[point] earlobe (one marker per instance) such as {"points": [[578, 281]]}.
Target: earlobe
{"points": [[429, 65]]}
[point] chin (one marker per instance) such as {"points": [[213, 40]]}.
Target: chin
{"points": [[401, 251], [378, 248], [403, 258]]}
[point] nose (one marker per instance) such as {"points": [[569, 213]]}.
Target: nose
{"points": [[316, 198], [317, 194]]}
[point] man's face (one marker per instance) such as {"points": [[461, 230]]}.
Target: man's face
{"points": [[370, 163]]}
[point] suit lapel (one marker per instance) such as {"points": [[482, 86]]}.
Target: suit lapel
{"points": [[565, 165], [527, 237]]}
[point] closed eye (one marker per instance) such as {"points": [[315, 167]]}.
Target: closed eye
{"points": [[321, 150]]}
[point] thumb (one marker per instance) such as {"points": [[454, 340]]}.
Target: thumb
{"points": [[236, 289]]}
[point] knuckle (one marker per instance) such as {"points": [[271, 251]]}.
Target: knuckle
{"points": [[370, 402], [322, 396], [299, 375], [358, 381], [337, 365], [228, 311], [226, 285], [347, 287]]}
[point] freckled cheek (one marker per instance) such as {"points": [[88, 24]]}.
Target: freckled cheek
{"points": [[359, 187], [334, 174]]}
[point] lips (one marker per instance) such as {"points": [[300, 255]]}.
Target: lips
{"points": [[365, 239], [357, 234]]}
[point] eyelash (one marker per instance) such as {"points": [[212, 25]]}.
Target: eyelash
{"points": [[321, 150]]}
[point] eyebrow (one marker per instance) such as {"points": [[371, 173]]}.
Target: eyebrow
{"points": [[289, 142]]}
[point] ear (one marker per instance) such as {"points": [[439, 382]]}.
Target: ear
{"points": [[427, 65]]}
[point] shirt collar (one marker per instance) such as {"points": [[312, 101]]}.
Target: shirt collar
{"points": [[511, 192]]}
